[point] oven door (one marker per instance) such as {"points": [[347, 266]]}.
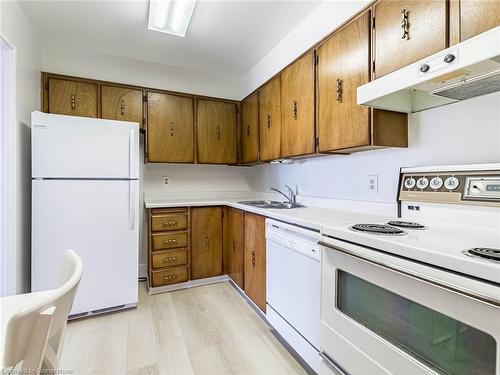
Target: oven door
{"points": [[380, 317]]}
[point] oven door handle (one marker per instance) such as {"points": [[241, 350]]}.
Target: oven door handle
{"points": [[450, 287], [331, 364]]}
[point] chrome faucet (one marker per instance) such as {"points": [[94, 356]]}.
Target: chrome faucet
{"points": [[291, 197]]}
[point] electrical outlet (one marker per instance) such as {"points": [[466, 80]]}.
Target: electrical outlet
{"points": [[373, 184], [165, 180]]}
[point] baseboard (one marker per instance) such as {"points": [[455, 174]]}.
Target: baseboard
{"points": [[188, 284]]}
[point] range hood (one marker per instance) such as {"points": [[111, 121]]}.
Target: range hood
{"points": [[463, 71]]}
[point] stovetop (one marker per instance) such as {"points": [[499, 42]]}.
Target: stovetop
{"points": [[434, 243]]}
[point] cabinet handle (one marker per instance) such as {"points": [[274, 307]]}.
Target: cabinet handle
{"points": [[170, 241], [73, 102], [268, 121], [207, 243], [122, 107], [405, 24], [169, 259], [294, 109], [248, 130], [217, 132], [234, 246], [338, 90], [170, 277], [253, 258], [171, 129], [170, 224]]}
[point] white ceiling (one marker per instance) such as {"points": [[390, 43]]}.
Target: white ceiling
{"points": [[223, 37]]}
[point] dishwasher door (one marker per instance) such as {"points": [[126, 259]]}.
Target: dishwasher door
{"points": [[293, 281]]}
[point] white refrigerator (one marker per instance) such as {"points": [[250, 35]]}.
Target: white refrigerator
{"points": [[85, 197]]}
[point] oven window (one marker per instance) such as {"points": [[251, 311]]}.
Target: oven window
{"points": [[442, 343]]}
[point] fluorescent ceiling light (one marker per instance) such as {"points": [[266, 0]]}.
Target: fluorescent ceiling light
{"points": [[170, 16]]}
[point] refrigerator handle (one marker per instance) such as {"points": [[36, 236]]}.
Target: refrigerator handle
{"points": [[131, 208], [131, 154]]}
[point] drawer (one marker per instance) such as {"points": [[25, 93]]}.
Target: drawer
{"points": [[161, 223], [170, 276], [169, 258], [169, 240], [170, 210]]}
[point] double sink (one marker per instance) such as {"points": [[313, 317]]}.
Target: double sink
{"points": [[272, 204]]}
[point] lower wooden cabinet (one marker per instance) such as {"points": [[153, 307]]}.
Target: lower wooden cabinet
{"points": [[254, 252], [206, 242], [169, 246], [233, 244], [200, 242]]}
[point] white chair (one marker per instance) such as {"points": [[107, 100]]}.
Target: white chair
{"points": [[33, 324]]}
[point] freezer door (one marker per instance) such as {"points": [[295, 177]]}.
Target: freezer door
{"points": [[81, 147], [98, 220]]}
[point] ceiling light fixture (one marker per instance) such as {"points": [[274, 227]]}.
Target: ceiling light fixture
{"points": [[170, 16]]}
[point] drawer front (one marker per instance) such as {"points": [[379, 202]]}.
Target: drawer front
{"points": [[170, 276], [170, 258], [160, 223], [169, 240]]}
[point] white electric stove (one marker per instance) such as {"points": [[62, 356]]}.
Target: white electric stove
{"points": [[417, 294]]}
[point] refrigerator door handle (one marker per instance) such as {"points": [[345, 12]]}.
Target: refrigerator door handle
{"points": [[131, 208], [131, 153]]}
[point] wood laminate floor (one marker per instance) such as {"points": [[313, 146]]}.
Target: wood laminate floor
{"points": [[204, 330]]}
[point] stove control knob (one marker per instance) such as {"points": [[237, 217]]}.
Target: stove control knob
{"points": [[422, 182], [410, 183], [451, 183], [436, 183]]}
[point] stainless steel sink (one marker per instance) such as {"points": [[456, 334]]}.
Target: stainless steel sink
{"points": [[271, 204]]}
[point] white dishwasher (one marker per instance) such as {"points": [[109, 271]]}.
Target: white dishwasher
{"points": [[293, 287]]}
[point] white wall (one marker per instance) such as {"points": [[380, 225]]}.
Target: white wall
{"points": [[466, 132], [19, 32], [325, 18], [64, 59]]}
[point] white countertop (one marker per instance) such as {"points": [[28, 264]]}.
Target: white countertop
{"points": [[312, 217]]}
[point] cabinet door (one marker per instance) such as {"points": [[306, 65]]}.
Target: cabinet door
{"points": [[255, 259], [216, 132], [270, 120], [72, 98], [250, 129], [120, 103], [344, 61], [297, 107], [407, 31], [170, 134], [477, 16], [206, 242], [234, 245]]}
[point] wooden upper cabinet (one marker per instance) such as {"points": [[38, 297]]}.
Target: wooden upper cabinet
{"points": [[407, 31], [74, 98], [255, 258], [469, 18], [233, 242], [297, 107], [250, 129], [121, 103], [206, 242], [170, 130], [216, 132], [344, 61], [270, 120]]}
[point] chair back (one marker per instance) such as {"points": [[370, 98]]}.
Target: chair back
{"points": [[26, 323]]}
